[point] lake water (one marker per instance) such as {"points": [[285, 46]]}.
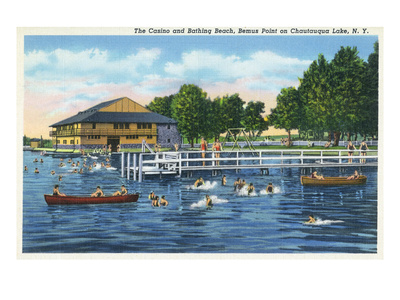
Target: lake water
{"points": [[237, 223]]}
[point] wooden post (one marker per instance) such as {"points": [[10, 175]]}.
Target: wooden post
{"points": [[128, 165], [122, 164], [134, 166], [180, 164], [140, 167]]}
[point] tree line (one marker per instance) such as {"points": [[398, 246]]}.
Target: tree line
{"points": [[199, 116], [339, 97]]}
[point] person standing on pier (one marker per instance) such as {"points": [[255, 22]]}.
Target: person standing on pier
{"points": [[363, 148], [351, 149], [218, 148], [203, 148]]}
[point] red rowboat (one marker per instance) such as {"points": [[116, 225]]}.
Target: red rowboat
{"points": [[66, 200]]}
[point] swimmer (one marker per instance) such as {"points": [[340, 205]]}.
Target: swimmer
{"points": [[242, 184], [155, 202], [75, 171], [25, 168], [41, 160], [199, 182], [69, 160], [60, 178], [73, 164], [310, 219], [163, 201], [35, 160], [81, 171], [209, 203], [90, 167], [152, 196], [250, 189], [123, 191], [56, 191], [236, 184], [77, 163], [203, 148], [52, 172], [223, 180], [97, 193], [270, 188], [102, 165], [108, 166], [36, 170]]}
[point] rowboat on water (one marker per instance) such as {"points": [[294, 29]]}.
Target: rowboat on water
{"points": [[332, 181], [67, 200]]}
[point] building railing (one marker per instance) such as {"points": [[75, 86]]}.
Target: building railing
{"points": [[83, 132]]}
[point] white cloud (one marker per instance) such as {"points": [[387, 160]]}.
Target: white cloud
{"points": [[232, 66], [94, 63]]}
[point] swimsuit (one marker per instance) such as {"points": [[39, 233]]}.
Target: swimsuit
{"points": [[363, 147], [269, 189]]}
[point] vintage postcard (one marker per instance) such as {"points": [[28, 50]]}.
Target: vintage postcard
{"points": [[200, 142]]}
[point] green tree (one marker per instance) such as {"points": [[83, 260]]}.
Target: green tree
{"points": [[162, 105], [348, 95], [288, 111], [315, 92], [370, 110], [252, 119], [233, 112], [188, 109]]}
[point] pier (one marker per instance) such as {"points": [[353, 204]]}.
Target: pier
{"points": [[187, 162]]}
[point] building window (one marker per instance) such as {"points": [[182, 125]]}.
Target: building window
{"points": [[64, 142], [149, 136], [169, 126], [71, 142], [93, 125], [126, 125], [132, 137], [169, 140]]}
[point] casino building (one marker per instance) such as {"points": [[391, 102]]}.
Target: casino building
{"points": [[116, 122]]}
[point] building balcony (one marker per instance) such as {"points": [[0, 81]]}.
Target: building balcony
{"points": [[104, 132]]}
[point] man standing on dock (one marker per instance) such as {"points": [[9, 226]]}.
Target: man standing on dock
{"points": [[203, 148]]}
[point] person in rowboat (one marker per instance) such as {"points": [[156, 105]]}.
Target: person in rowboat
{"points": [[354, 176], [56, 191], [316, 176], [97, 193], [123, 191]]}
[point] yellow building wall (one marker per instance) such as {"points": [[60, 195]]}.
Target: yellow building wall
{"points": [[124, 105]]}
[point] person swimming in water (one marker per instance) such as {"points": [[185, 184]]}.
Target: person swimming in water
{"points": [[270, 188], [155, 202], [199, 182], [223, 180], [311, 219], [209, 203], [56, 191], [52, 172], [163, 201], [242, 184], [123, 191], [236, 184], [36, 170], [250, 189], [97, 193], [152, 197]]}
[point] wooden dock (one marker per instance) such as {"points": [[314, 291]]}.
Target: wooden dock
{"points": [[164, 163]]}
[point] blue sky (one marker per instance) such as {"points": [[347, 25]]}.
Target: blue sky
{"points": [[65, 74]]}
